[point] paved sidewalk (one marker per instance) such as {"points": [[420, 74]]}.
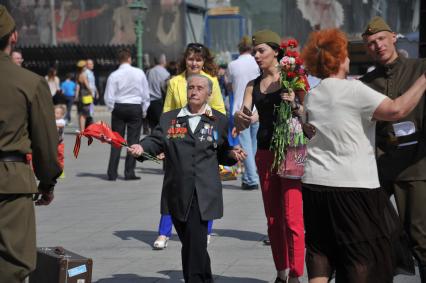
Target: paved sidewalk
{"points": [[115, 223]]}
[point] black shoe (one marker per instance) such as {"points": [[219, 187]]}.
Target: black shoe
{"points": [[422, 271], [279, 280], [132, 178], [246, 187], [110, 178], [267, 242]]}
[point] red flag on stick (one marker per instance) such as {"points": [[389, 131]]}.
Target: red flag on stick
{"points": [[100, 131]]}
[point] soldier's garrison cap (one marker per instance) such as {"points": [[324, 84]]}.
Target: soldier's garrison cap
{"points": [[265, 36], [377, 24], [7, 24]]}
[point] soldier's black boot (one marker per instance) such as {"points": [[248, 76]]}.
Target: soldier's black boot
{"points": [[422, 271]]}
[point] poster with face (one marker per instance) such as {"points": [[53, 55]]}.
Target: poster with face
{"points": [[99, 22]]}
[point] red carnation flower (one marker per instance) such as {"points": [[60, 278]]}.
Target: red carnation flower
{"points": [[291, 75], [283, 45], [293, 54], [299, 61], [292, 43]]}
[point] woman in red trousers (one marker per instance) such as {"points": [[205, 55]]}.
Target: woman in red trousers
{"points": [[282, 198]]}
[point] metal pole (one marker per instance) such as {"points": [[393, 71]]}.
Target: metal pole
{"points": [[139, 7], [422, 30], [139, 32], [53, 22]]}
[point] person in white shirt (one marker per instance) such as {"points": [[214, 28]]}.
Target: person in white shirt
{"points": [[241, 71], [349, 220], [92, 85], [53, 81], [127, 95]]}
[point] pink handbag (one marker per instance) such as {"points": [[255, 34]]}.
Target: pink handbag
{"points": [[293, 165]]}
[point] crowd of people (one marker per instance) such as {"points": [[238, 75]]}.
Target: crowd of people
{"points": [[366, 143]]}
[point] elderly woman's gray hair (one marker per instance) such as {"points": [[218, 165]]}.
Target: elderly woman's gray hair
{"points": [[209, 81]]}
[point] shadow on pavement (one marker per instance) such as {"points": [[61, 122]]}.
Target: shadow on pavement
{"points": [[148, 237], [155, 171], [174, 276], [238, 234], [231, 187], [222, 279], [102, 176]]}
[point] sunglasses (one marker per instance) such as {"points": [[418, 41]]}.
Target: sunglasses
{"points": [[198, 46]]}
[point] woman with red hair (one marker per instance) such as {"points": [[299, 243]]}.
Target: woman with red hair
{"points": [[348, 218]]}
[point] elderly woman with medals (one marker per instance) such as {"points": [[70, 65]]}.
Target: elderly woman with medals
{"points": [[197, 59], [194, 140]]}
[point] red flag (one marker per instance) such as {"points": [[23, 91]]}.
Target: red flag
{"points": [[100, 131]]}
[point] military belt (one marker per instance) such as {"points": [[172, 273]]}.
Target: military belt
{"points": [[12, 157]]}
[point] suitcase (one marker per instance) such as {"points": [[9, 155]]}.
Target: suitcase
{"points": [[58, 265]]}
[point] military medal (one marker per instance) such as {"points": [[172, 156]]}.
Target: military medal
{"points": [[176, 130], [215, 136]]}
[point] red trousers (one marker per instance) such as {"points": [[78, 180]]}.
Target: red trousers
{"points": [[61, 154], [282, 199]]}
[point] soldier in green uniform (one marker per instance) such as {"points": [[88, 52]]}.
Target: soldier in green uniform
{"points": [[401, 146], [27, 125]]}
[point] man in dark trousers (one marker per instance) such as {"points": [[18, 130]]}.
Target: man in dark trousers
{"points": [[157, 80], [27, 125], [194, 140], [401, 146], [127, 94]]}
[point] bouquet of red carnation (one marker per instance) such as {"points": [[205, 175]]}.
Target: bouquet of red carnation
{"points": [[292, 72], [288, 133]]}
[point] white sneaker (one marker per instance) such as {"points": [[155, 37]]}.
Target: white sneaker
{"points": [[161, 242]]}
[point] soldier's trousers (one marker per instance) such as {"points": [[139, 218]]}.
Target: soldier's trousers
{"points": [[17, 237], [410, 197]]}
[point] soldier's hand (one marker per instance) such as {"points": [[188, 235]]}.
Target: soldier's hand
{"points": [[43, 198]]}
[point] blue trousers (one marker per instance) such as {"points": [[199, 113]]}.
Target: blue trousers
{"points": [[248, 142], [166, 225]]}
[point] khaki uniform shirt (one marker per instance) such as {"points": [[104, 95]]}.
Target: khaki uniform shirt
{"points": [[406, 163], [27, 125]]}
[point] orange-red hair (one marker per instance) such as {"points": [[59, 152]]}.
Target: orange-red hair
{"points": [[324, 52]]}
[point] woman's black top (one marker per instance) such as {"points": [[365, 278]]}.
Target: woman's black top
{"points": [[265, 104]]}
